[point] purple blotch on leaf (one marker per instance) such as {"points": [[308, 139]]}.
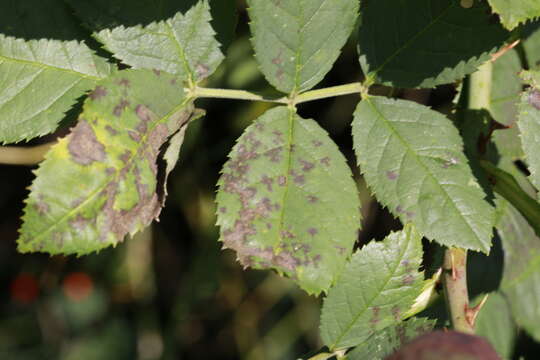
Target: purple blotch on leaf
{"points": [[98, 93], [84, 146], [534, 99], [391, 175]]}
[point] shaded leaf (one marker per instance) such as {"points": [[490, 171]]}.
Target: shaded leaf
{"points": [[386, 341], [39, 19], [508, 143], [41, 80], [297, 41], [412, 157], [98, 184], [286, 200], [439, 42], [182, 45], [521, 276], [494, 322], [529, 124], [378, 285], [513, 13], [531, 45], [101, 14]]}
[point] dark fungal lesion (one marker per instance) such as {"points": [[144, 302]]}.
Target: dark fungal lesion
{"points": [[83, 145]]}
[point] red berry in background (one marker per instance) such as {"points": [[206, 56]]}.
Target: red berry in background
{"points": [[77, 286], [24, 289]]}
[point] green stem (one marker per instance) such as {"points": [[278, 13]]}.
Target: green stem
{"points": [[480, 87], [455, 288], [18, 155], [346, 89], [200, 92]]}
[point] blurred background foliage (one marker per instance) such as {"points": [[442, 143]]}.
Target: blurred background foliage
{"points": [[171, 292]]}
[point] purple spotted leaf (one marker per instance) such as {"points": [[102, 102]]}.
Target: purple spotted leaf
{"points": [[297, 41], [529, 124], [183, 44], [412, 157], [287, 201], [101, 182], [377, 287]]}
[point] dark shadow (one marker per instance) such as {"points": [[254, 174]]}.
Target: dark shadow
{"points": [[78, 19]]}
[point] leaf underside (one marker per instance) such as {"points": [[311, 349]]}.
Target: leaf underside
{"points": [[412, 158], [388, 340], [529, 125], [100, 182], [513, 13], [297, 41], [424, 43], [39, 81], [521, 277], [286, 200], [379, 284], [182, 45]]}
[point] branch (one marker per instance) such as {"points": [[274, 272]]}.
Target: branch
{"points": [[18, 155]]}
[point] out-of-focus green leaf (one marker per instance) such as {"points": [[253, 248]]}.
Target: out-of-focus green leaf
{"points": [[39, 81], [412, 157], [286, 200], [529, 124], [182, 45], [505, 88], [513, 13], [297, 41], [99, 183], [424, 43], [521, 277], [494, 322], [378, 285], [531, 45], [386, 341], [508, 143]]}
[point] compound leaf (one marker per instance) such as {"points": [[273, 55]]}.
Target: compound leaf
{"points": [[40, 80], [424, 43], [182, 45], [297, 41], [385, 342], [412, 157], [529, 124], [286, 200], [513, 13], [378, 285], [100, 182], [521, 277]]}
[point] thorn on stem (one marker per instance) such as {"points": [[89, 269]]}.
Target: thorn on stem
{"points": [[472, 313]]}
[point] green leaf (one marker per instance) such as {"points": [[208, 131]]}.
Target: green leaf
{"points": [[439, 42], [40, 80], [388, 340], [508, 143], [378, 285], [297, 41], [412, 157], [529, 124], [506, 87], [521, 277], [494, 322], [182, 45], [286, 200], [513, 13], [100, 182]]}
